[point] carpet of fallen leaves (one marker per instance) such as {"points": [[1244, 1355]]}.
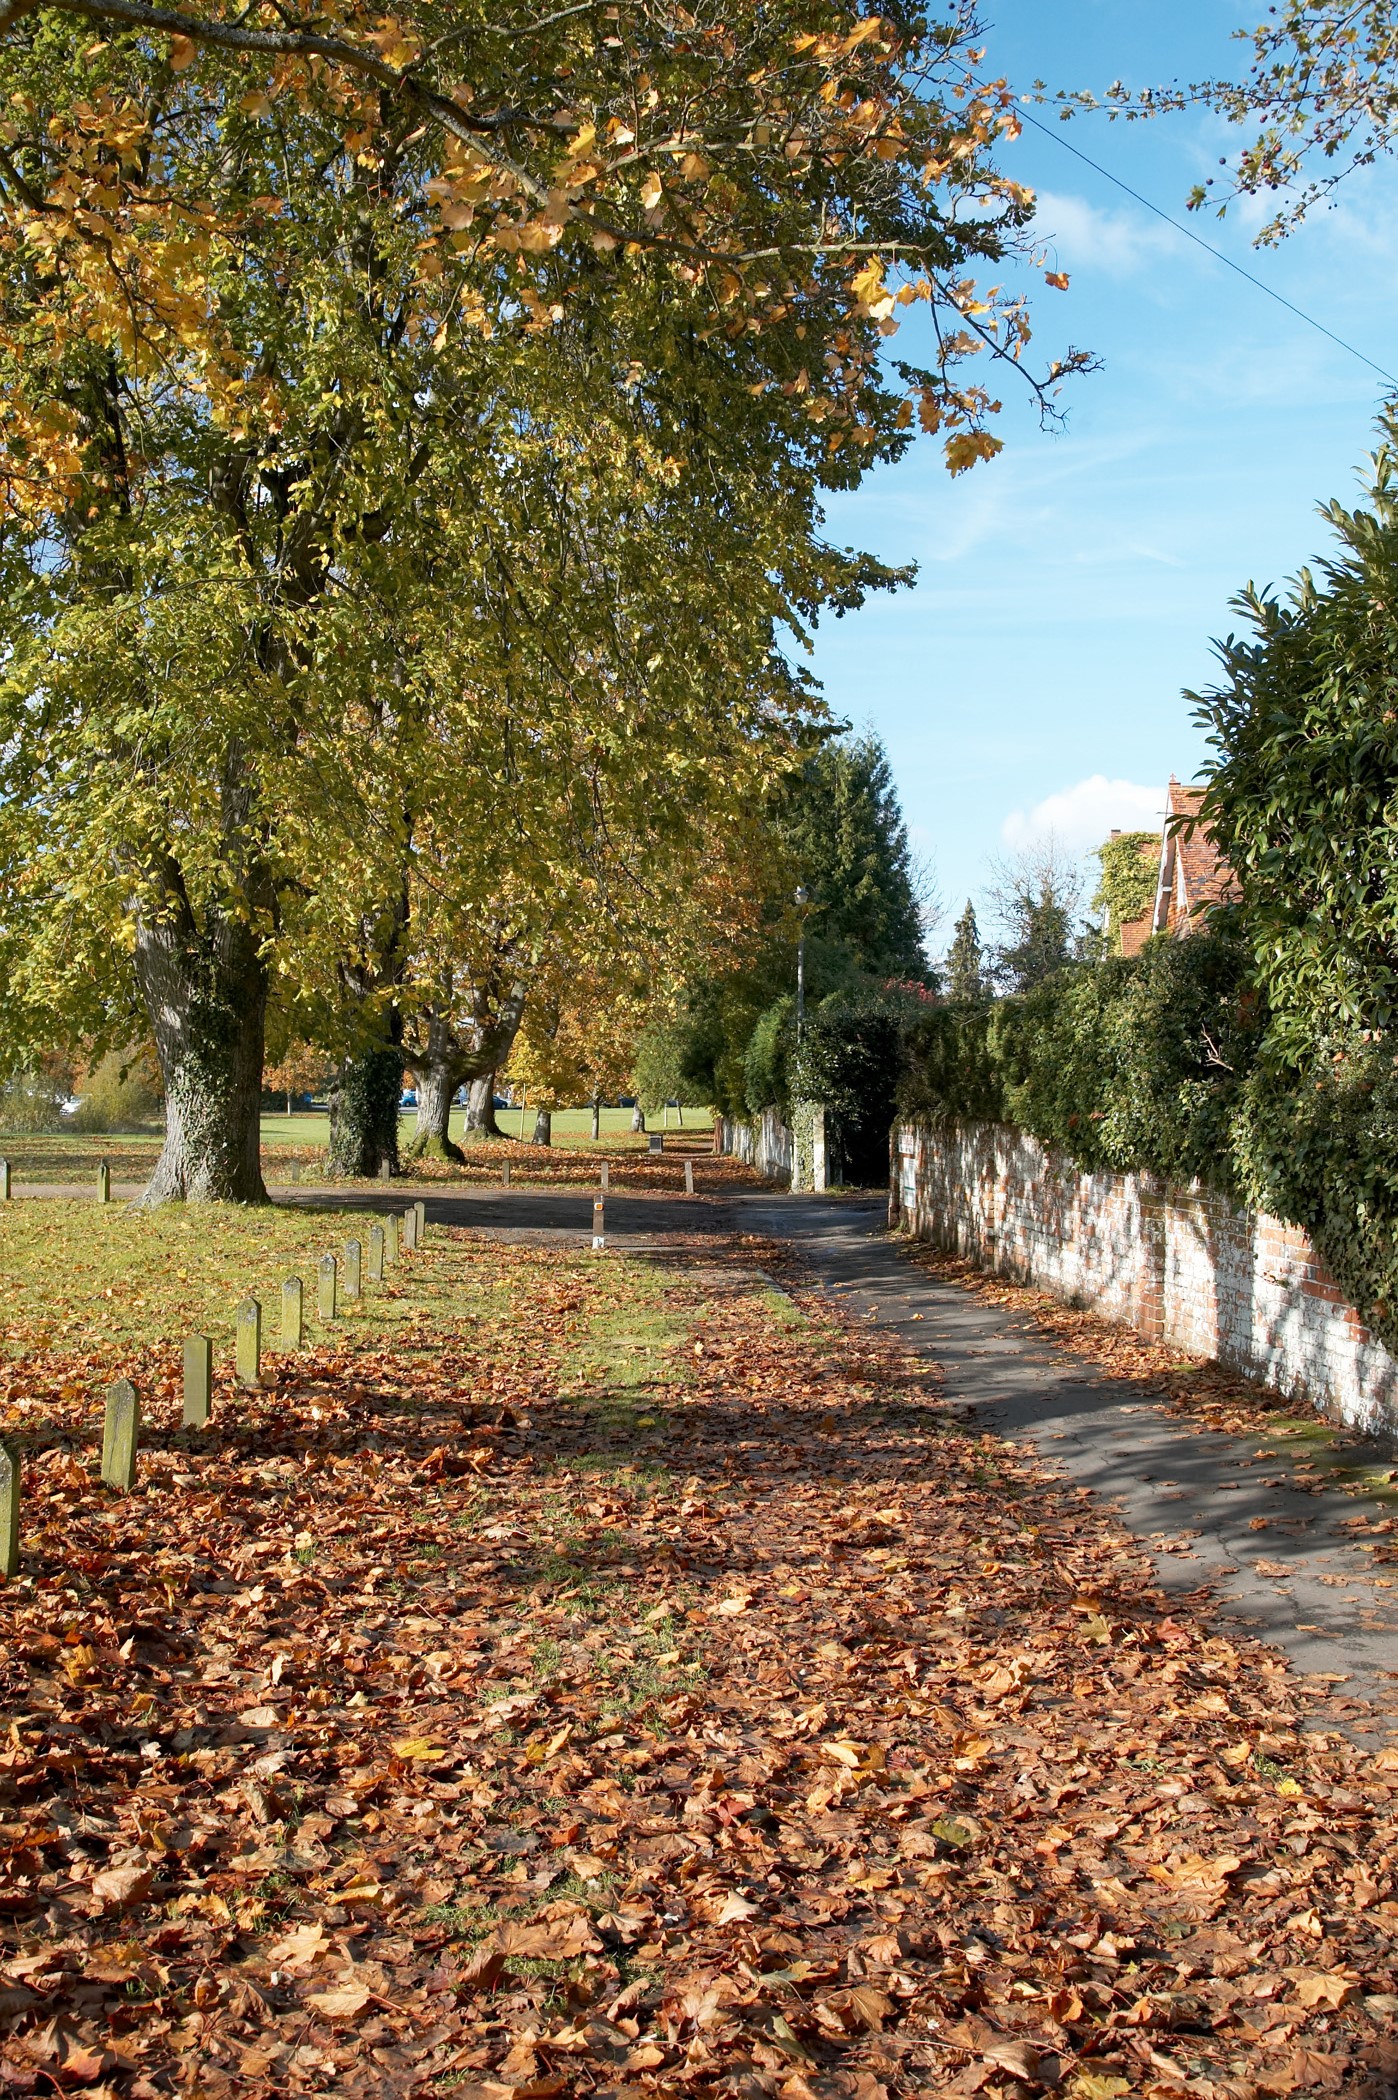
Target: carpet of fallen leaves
{"points": [[649, 1691]]}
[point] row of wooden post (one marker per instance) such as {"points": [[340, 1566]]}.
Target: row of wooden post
{"points": [[104, 1178], [121, 1427]]}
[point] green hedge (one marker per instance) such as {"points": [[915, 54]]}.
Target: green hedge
{"points": [[1127, 1064], [1158, 1064]]}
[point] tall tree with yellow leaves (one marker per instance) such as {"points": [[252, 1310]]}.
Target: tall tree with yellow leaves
{"points": [[292, 308]]}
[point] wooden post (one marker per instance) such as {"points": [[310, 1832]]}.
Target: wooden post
{"points": [[689, 1177], [198, 1380], [606, 1176], [120, 1435], [505, 1175], [9, 1509], [293, 1316], [390, 1238], [385, 1170], [327, 1296], [104, 1182], [599, 1225], [420, 1228], [294, 1170], [410, 1228], [354, 1265], [376, 1251], [249, 1349], [4, 1181]]}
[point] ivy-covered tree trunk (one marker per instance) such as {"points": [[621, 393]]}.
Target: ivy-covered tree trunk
{"points": [[480, 1106], [436, 1090], [543, 1127], [364, 1115], [206, 994]]}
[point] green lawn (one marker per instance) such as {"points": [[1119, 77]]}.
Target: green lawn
{"points": [[115, 1280], [70, 1156]]}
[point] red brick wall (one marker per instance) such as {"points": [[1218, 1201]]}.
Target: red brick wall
{"points": [[1181, 1266]]}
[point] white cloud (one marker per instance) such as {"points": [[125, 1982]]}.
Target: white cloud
{"points": [[1082, 236], [1080, 817]]}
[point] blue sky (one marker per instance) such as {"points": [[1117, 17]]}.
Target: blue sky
{"points": [[1069, 590]]}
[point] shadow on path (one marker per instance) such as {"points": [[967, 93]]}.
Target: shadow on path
{"points": [[1190, 1495]]}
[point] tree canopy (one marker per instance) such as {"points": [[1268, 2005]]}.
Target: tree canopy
{"points": [[413, 443]]}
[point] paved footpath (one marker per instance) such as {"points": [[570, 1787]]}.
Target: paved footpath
{"points": [[1189, 1494]]}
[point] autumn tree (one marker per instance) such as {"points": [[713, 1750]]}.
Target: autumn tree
{"points": [[283, 302]]}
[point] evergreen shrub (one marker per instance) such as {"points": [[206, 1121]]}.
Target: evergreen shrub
{"points": [[1159, 1064]]}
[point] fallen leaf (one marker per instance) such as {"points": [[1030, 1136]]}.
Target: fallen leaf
{"points": [[340, 2003], [118, 1887]]}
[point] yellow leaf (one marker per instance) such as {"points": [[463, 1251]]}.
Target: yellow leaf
{"points": [[1057, 278], [1289, 1790], [969, 447], [183, 52], [651, 191], [419, 1746]]}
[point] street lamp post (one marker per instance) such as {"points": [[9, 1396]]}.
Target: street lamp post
{"points": [[802, 900]]}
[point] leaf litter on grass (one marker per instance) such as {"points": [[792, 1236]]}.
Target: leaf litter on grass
{"points": [[469, 1719]]}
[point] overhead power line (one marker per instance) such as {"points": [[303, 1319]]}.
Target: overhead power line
{"points": [[1217, 253]]}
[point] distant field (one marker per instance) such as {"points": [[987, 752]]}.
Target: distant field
{"points": [[301, 1138]]}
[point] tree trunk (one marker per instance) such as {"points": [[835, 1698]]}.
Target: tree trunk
{"points": [[596, 1119], [364, 1115], [436, 1088], [638, 1117], [206, 995], [543, 1127], [288, 1101], [480, 1106]]}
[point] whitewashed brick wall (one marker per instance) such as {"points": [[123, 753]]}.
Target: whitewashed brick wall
{"points": [[1182, 1266], [765, 1143]]}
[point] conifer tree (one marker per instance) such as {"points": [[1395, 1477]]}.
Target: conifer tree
{"points": [[965, 963]]}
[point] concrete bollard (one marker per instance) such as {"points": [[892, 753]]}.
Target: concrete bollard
{"points": [[104, 1182], [376, 1253], [121, 1431], [599, 1226], [293, 1312], [198, 1380], [9, 1509], [327, 1291], [249, 1343]]}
